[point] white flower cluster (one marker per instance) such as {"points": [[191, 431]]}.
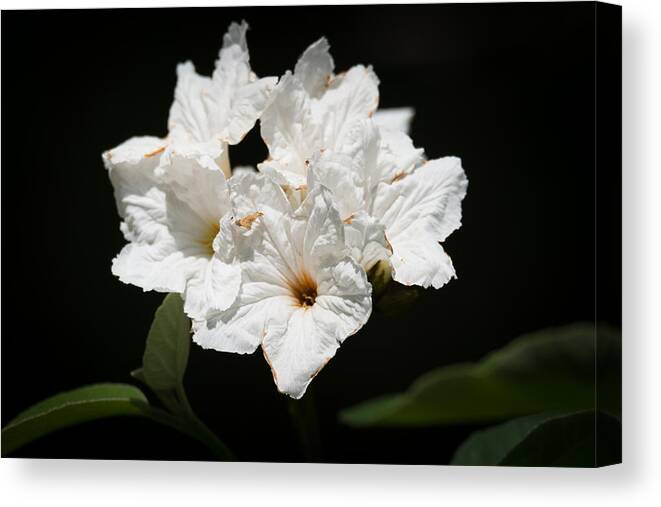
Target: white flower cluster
{"points": [[278, 257]]}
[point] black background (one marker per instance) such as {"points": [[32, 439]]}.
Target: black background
{"points": [[508, 88]]}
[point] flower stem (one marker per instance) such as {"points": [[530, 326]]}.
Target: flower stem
{"points": [[200, 430], [194, 428], [306, 423]]}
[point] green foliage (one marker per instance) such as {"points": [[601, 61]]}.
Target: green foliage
{"points": [[168, 343], [166, 355], [580, 439], [164, 365], [553, 369], [70, 408]]}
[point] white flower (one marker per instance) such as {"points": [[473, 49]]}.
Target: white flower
{"points": [[279, 259], [301, 294], [210, 113], [313, 110], [171, 192], [320, 129], [417, 203], [177, 226]]}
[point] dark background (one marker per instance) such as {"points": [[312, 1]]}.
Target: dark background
{"points": [[508, 88]]}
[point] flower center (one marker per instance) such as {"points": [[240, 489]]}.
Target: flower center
{"points": [[207, 241], [304, 291]]}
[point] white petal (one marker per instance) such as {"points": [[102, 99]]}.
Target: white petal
{"points": [[252, 191], [255, 314], [248, 103], [306, 118], [278, 173], [155, 259], [288, 129], [168, 220], [397, 155], [343, 177], [215, 287], [313, 335], [398, 119], [167, 249], [342, 306], [142, 205], [215, 283], [318, 232], [366, 238], [298, 354], [382, 155], [196, 180], [222, 108], [420, 211], [194, 115], [351, 96], [160, 267], [346, 179], [420, 261], [131, 168], [233, 64], [239, 96], [314, 68]]}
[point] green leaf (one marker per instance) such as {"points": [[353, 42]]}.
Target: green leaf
{"points": [[163, 367], [581, 439], [168, 342], [70, 408], [553, 369]]}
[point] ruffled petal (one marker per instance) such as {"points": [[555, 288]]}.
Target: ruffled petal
{"points": [[343, 177], [258, 312], [248, 105], [239, 96], [366, 238], [226, 106], [131, 168], [171, 211], [288, 129], [193, 114], [318, 231], [380, 155], [196, 179], [351, 96], [313, 335], [397, 155], [420, 211], [342, 301], [151, 259], [232, 69], [314, 68], [301, 349], [215, 287]]}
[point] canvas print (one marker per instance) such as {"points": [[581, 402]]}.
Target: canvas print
{"points": [[340, 234]]}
